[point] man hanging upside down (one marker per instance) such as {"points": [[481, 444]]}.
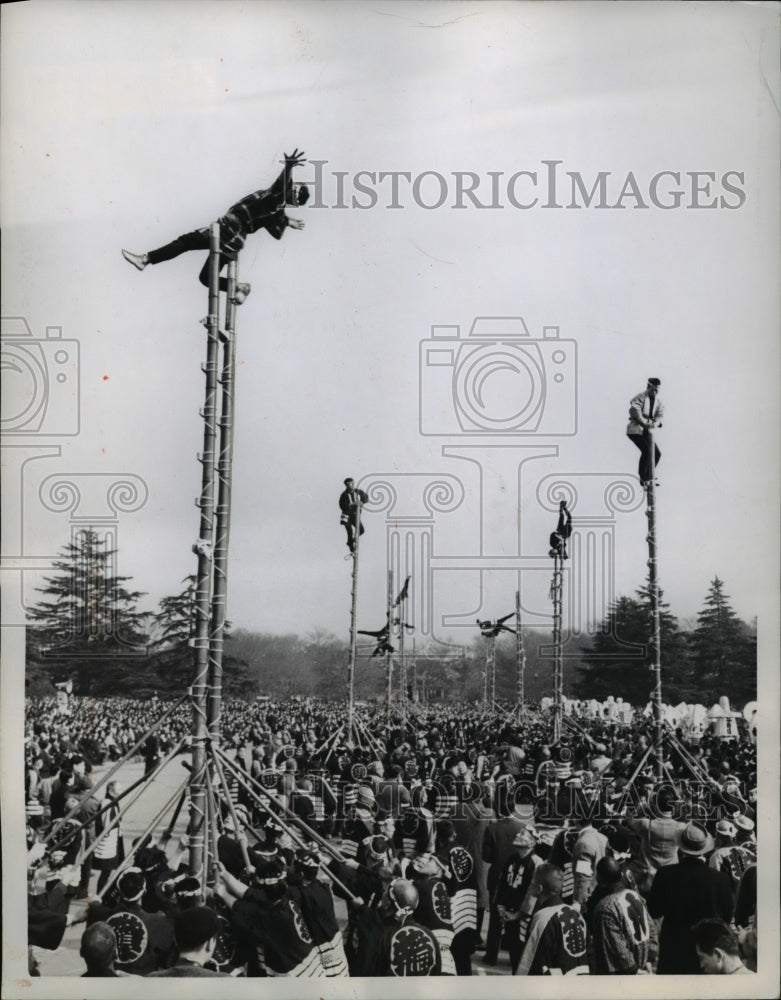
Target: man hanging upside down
{"points": [[558, 538], [263, 209]]}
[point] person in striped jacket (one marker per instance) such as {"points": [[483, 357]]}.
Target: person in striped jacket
{"points": [[263, 209]]}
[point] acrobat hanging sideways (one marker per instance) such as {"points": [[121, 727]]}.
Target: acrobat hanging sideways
{"points": [[382, 636], [264, 209], [559, 537], [490, 630], [645, 413]]}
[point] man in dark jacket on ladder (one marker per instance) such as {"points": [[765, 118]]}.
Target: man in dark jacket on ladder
{"points": [[348, 505]]}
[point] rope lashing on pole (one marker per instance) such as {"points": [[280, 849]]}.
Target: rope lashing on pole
{"points": [[556, 592], [653, 587], [223, 509], [520, 651], [204, 550], [353, 622]]}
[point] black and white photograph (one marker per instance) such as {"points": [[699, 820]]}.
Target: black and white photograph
{"points": [[390, 498]]}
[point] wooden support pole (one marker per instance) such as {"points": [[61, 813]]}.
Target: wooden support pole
{"points": [[557, 651], [520, 651], [223, 510], [353, 624], [204, 547], [653, 587]]}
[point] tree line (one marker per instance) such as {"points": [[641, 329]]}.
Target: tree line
{"points": [[87, 627]]}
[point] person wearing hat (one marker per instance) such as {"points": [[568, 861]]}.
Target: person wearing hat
{"points": [[645, 413], [718, 950], [684, 893], [348, 505], [196, 930], [619, 923], [729, 857]]}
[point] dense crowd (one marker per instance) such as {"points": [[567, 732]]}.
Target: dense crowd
{"points": [[408, 849]]}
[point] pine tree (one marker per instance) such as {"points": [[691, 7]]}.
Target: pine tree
{"points": [[88, 627], [725, 657], [173, 663]]}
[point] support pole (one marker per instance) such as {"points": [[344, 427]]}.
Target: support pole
{"points": [[492, 671], [556, 590], [389, 656], [353, 624], [653, 587], [223, 511], [520, 659], [203, 547]]}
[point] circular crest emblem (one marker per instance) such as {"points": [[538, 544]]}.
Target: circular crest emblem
{"points": [[131, 935], [411, 768], [412, 952], [461, 863], [269, 779], [358, 772]]}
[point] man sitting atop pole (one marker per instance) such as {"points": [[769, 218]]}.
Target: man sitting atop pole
{"points": [[264, 209]]}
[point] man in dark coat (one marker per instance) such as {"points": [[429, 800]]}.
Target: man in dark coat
{"points": [[683, 894], [263, 209], [348, 505]]}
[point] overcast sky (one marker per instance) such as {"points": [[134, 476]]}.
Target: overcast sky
{"points": [[125, 124]]}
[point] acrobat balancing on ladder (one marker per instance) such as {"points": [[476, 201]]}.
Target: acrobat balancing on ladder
{"points": [[264, 209]]}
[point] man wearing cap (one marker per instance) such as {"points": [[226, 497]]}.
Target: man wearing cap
{"points": [[683, 894], [196, 930], [645, 413], [620, 925], [434, 910], [349, 499]]}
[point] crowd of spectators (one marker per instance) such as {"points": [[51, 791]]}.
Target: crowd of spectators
{"points": [[454, 833]]}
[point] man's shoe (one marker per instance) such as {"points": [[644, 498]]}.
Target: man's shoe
{"points": [[139, 260], [242, 291]]}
